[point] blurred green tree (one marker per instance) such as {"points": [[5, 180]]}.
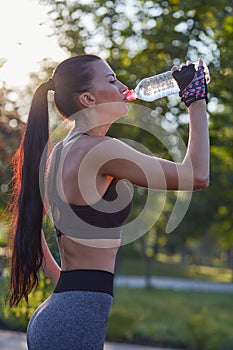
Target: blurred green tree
{"points": [[11, 127]]}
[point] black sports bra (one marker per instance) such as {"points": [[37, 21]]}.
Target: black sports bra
{"points": [[103, 219]]}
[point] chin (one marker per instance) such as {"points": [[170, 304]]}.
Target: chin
{"points": [[122, 109], [109, 112]]}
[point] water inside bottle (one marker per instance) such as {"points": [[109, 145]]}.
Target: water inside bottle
{"points": [[158, 86], [150, 89]]}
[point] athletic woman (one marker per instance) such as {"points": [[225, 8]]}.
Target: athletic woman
{"points": [[85, 187]]}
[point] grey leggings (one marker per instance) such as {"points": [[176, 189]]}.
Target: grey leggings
{"points": [[73, 320]]}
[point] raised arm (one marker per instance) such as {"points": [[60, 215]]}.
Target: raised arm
{"points": [[198, 144], [114, 158], [111, 157]]}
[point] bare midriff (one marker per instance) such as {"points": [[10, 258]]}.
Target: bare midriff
{"points": [[99, 254]]}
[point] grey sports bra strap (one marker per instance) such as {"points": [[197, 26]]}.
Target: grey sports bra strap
{"points": [[55, 169], [73, 135], [56, 164]]}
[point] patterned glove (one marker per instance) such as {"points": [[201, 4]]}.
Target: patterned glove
{"points": [[192, 84]]}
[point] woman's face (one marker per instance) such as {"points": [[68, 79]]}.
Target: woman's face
{"points": [[105, 87], [105, 99]]}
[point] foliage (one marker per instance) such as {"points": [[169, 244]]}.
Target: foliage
{"points": [[207, 337], [17, 317], [10, 131]]}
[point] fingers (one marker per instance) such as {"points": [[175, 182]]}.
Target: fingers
{"points": [[175, 68], [200, 62]]}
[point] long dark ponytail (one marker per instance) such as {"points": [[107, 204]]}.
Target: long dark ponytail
{"points": [[71, 77], [27, 254]]}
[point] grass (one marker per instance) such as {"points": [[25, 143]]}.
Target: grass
{"points": [[191, 320], [186, 320], [133, 266]]}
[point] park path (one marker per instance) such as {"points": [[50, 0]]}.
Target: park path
{"points": [[17, 341], [174, 284]]}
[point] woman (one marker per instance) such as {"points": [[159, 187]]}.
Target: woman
{"points": [[88, 195]]}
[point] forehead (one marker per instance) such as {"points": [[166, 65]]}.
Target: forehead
{"points": [[102, 69]]}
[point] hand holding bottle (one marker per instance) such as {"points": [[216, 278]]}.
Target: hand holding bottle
{"points": [[172, 82], [192, 82]]}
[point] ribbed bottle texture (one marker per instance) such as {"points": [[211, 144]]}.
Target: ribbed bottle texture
{"points": [[152, 88], [158, 86]]}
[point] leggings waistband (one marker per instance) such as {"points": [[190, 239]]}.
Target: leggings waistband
{"points": [[85, 280]]}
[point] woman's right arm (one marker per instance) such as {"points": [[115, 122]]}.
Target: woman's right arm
{"points": [[111, 157], [198, 144]]}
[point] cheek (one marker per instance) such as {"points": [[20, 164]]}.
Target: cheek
{"points": [[113, 94], [108, 94], [103, 94]]}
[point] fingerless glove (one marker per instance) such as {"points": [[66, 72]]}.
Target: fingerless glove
{"points": [[192, 84]]}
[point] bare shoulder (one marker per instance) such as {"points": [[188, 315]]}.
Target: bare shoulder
{"points": [[109, 146], [98, 145], [108, 143]]}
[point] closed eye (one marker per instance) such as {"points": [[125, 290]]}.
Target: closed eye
{"points": [[113, 81]]}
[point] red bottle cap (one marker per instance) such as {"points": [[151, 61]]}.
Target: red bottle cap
{"points": [[130, 95]]}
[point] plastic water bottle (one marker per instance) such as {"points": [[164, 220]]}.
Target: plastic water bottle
{"points": [[158, 86]]}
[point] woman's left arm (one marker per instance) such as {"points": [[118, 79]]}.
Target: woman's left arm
{"points": [[49, 266]]}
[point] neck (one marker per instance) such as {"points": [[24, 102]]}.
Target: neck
{"points": [[100, 130], [94, 121]]}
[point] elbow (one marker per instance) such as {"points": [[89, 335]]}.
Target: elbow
{"points": [[200, 183]]}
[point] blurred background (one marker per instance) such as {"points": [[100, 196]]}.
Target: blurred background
{"points": [[138, 39]]}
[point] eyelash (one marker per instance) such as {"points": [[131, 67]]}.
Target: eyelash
{"points": [[113, 81]]}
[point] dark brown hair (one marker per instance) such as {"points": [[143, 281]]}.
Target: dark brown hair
{"points": [[72, 76]]}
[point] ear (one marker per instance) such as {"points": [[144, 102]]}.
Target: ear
{"points": [[86, 99]]}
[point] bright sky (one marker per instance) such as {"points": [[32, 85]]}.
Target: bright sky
{"points": [[24, 40]]}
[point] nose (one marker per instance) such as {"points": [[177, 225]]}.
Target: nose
{"points": [[123, 88]]}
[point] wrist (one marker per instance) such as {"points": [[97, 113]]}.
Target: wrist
{"points": [[198, 104]]}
